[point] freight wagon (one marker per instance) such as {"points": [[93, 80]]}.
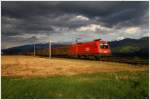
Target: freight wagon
{"points": [[93, 48]]}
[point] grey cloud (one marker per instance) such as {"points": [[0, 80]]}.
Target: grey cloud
{"points": [[91, 9], [55, 18]]}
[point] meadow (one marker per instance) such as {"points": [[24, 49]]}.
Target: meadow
{"points": [[124, 81]]}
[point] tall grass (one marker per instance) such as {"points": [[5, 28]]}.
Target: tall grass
{"points": [[97, 85]]}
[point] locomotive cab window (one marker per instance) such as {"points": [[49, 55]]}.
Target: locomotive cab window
{"points": [[104, 46]]}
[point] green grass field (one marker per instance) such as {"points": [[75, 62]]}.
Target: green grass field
{"points": [[97, 85]]}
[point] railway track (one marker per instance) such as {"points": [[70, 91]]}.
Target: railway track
{"points": [[126, 60], [129, 60]]}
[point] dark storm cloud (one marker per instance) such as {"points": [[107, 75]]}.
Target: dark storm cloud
{"points": [[57, 17], [109, 12]]}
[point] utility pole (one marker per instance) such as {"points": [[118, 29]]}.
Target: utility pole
{"points": [[34, 49], [34, 46], [77, 40], [50, 48]]}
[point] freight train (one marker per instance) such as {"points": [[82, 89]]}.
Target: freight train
{"points": [[94, 48]]}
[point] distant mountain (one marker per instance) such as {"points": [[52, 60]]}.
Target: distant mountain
{"points": [[131, 47], [30, 48], [125, 47]]}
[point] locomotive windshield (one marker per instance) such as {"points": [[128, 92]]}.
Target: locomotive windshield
{"points": [[104, 46]]}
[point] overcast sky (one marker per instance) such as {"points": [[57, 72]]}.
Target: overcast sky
{"points": [[26, 21]]}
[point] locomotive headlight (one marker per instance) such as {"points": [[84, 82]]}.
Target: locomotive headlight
{"points": [[105, 51]]}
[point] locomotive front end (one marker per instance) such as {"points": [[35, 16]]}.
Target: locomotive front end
{"points": [[104, 48]]}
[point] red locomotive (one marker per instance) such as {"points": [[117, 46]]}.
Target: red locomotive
{"points": [[94, 48]]}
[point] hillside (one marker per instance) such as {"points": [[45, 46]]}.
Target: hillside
{"points": [[131, 47], [29, 48], [125, 47]]}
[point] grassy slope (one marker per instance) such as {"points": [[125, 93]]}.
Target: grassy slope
{"points": [[131, 48], [98, 85]]}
